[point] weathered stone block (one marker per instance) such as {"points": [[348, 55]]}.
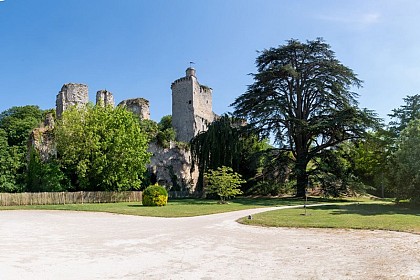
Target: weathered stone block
{"points": [[71, 94], [104, 98], [139, 106]]}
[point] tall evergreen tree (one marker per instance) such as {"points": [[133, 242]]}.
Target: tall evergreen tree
{"points": [[404, 114], [302, 97]]}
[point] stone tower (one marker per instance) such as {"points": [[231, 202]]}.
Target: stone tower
{"points": [[191, 106], [139, 106], [69, 95], [104, 98]]}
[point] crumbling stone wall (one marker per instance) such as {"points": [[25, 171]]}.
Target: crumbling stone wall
{"points": [[71, 94], [104, 98], [139, 106], [191, 114]]}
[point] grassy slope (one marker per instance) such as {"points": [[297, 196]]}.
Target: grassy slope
{"points": [[376, 215]]}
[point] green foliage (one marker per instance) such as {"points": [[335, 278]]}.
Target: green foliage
{"points": [[44, 176], [162, 133], [332, 173], [223, 182], [273, 175], [166, 133], [16, 124], [302, 97], [155, 196], [165, 122], [405, 113], [371, 158], [102, 148], [226, 143], [270, 188], [219, 145], [150, 128], [406, 164], [10, 163]]}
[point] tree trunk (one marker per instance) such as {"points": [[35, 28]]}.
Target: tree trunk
{"points": [[301, 178], [302, 182]]}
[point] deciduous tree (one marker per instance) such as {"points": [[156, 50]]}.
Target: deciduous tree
{"points": [[406, 164], [223, 182], [102, 148]]}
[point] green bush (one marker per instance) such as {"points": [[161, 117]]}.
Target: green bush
{"points": [[155, 196], [270, 188], [224, 182]]}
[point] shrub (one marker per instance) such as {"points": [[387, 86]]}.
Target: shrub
{"points": [[223, 182], [270, 188], [155, 196]]}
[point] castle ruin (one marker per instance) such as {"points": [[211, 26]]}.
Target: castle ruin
{"points": [[191, 106], [71, 94], [139, 106], [191, 114], [104, 98]]}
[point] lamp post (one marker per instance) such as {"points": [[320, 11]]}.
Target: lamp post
{"points": [[306, 197]]}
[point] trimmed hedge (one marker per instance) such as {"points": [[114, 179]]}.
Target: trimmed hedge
{"points": [[155, 196]]}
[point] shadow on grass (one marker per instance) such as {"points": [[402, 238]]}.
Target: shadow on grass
{"points": [[371, 209], [257, 201]]}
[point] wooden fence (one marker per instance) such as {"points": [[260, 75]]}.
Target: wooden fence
{"points": [[46, 198], [55, 198]]}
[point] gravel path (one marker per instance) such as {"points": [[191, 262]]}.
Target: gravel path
{"points": [[86, 245]]}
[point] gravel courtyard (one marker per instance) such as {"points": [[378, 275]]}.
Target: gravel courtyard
{"points": [[83, 245]]}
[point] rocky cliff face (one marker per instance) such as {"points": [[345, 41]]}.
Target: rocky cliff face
{"points": [[42, 139], [172, 167]]}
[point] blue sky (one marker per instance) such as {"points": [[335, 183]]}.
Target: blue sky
{"points": [[137, 48]]}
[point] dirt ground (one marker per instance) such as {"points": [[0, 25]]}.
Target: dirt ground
{"points": [[82, 245]]}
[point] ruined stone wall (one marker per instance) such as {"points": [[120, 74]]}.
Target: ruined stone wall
{"points": [[139, 106], [173, 167], [71, 94], [104, 98], [42, 139], [191, 106]]}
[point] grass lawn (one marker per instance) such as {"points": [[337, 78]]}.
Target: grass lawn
{"points": [[174, 208], [375, 215]]}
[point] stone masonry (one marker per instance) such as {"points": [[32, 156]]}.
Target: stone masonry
{"points": [[70, 95], [139, 106], [191, 106], [104, 98], [191, 114]]}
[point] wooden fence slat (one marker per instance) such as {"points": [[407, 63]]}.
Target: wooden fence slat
{"points": [[45, 198]]}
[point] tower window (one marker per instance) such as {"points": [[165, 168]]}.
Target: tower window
{"points": [[189, 102]]}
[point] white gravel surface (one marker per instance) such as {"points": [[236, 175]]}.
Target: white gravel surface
{"points": [[86, 245]]}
